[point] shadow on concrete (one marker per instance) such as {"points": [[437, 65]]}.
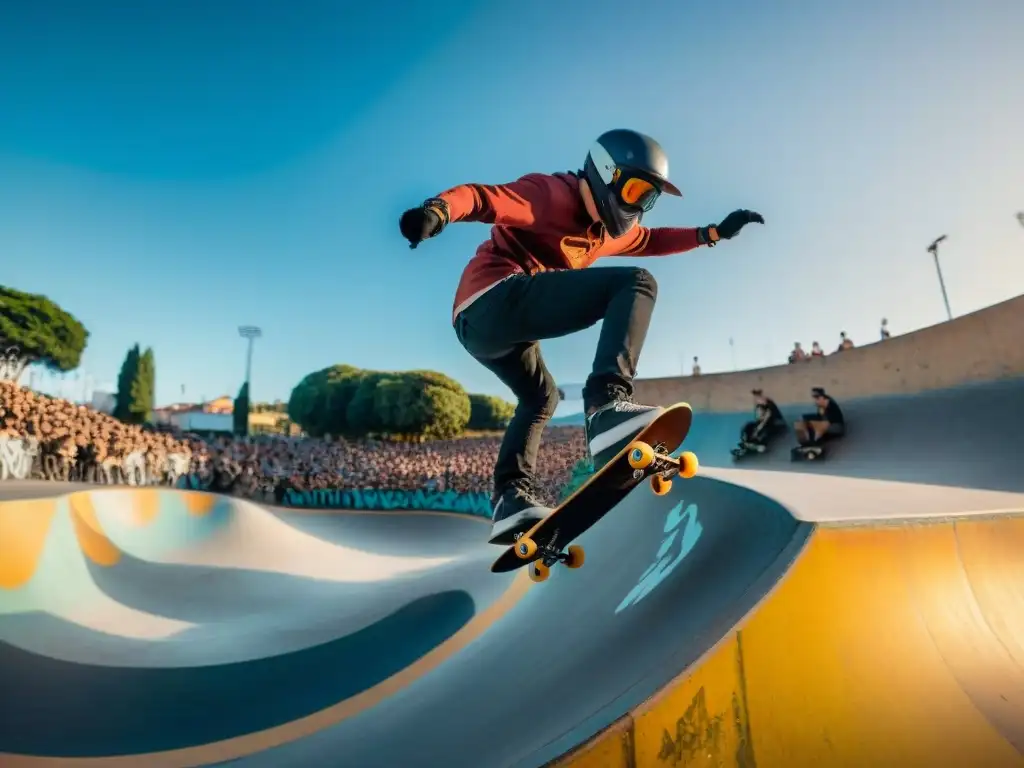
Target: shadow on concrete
{"points": [[64, 709]]}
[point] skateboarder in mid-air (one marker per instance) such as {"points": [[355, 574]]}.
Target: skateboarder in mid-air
{"points": [[528, 282]]}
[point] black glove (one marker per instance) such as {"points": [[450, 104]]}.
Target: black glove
{"points": [[737, 220], [424, 222]]}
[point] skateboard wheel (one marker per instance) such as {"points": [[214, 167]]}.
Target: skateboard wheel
{"points": [[539, 572], [641, 455], [526, 548], [660, 485], [688, 464], [576, 556]]}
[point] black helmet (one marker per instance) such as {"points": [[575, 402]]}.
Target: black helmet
{"points": [[627, 172]]}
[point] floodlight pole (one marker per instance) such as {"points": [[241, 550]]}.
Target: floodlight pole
{"points": [[933, 249]]}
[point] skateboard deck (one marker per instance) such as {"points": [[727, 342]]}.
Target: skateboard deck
{"points": [[646, 456], [746, 449], [808, 453]]}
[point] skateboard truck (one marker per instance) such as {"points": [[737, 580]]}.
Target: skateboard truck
{"points": [[808, 452], [540, 568], [746, 447], [656, 462]]}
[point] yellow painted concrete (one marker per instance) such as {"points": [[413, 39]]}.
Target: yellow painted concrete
{"points": [[145, 506], [888, 646], [200, 504], [24, 526], [91, 538]]}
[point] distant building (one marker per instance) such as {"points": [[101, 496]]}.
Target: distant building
{"points": [[214, 416], [223, 404]]}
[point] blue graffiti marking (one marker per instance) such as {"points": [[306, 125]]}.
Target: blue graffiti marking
{"points": [[664, 564]]}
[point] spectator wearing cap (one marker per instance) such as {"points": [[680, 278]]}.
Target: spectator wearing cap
{"points": [[844, 342], [813, 428]]}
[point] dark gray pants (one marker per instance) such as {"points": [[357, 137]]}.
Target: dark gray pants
{"points": [[501, 330]]}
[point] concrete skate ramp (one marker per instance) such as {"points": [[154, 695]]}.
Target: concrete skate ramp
{"points": [[183, 629], [895, 644], [968, 437]]}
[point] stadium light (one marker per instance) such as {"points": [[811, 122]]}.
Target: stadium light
{"points": [[933, 249], [250, 333]]}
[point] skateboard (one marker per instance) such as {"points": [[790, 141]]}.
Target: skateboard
{"points": [[808, 453], [744, 448], [646, 456]]}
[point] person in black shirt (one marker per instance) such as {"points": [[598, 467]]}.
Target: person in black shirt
{"points": [[814, 428], [767, 423]]}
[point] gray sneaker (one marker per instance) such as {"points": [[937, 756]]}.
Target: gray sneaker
{"points": [[516, 510], [611, 427]]}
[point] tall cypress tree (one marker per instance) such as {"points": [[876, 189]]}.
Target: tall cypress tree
{"points": [[240, 416], [140, 405], [127, 375]]}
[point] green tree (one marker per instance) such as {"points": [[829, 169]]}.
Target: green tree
{"points": [[363, 416], [302, 402], [142, 392], [431, 405], [342, 386], [448, 412], [125, 379], [319, 403], [33, 329], [240, 415], [150, 358], [343, 400], [489, 412]]}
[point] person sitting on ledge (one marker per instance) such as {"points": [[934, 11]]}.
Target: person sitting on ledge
{"points": [[767, 423], [815, 428]]}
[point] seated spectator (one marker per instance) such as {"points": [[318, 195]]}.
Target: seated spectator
{"points": [[768, 423], [844, 342], [696, 366], [885, 329], [798, 354], [816, 350], [814, 428]]}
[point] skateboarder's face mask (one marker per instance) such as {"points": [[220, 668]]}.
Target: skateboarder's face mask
{"points": [[635, 192]]}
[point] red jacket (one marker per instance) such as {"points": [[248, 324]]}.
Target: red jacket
{"points": [[541, 223]]}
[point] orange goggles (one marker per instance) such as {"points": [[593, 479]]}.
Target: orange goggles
{"points": [[639, 193]]}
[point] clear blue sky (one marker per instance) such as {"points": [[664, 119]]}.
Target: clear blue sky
{"points": [[169, 171]]}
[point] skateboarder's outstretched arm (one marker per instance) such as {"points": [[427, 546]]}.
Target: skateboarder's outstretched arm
{"points": [[517, 204], [664, 241]]}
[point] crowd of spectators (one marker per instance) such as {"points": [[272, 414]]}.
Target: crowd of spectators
{"points": [[799, 354], [74, 442]]}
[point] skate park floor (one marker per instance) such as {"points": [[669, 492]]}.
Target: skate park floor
{"points": [[849, 613]]}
